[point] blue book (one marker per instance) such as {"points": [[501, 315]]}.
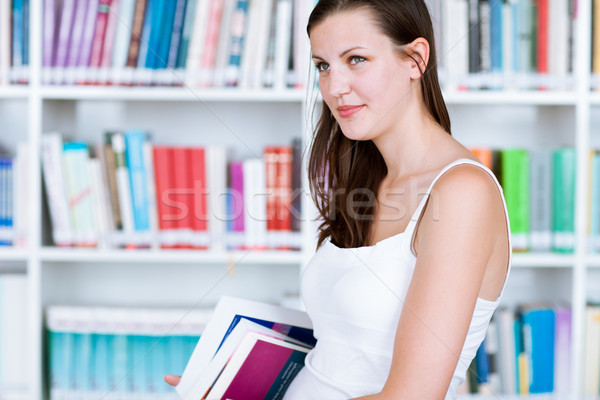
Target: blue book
{"points": [[539, 325], [174, 35], [496, 42], [159, 356], [17, 33], [59, 374], [134, 155], [158, 9], [25, 47], [518, 330], [186, 31], [82, 352], [236, 44], [145, 36], [514, 8], [118, 377], [101, 363], [176, 358]]}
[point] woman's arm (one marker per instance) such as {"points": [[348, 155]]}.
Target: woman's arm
{"points": [[459, 230]]}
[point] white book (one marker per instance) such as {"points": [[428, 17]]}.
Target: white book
{"points": [[301, 44], [257, 68], [506, 351], [124, 22], [221, 61], [197, 41], [216, 171], [227, 310], [283, 35], [255, 203], [558, 37], [123, 184], [249, 52], [5, 40], [79, 189], [14, 333], [56, 189], [100, 203], [151, 192], [21, 195], [591, 367]]}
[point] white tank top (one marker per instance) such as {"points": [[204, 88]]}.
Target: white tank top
{"points": [[354, 297]]}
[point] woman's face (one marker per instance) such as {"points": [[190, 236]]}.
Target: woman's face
{"points": [[362, 78]]}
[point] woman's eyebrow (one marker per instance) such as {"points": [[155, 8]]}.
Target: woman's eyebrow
{"points": [[342, 54]]}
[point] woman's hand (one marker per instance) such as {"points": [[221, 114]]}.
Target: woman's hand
{"points": [[172, 380]]}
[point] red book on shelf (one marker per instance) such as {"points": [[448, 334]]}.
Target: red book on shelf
{"points": [[182, 195], [284, 188], [164, 179], [99, 33], [270, 157], [198, 183]]}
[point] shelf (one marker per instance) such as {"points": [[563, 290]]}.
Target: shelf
{"points": [[169, 94], [593, 260], [15, 395], [14, 92], [595, 99], [12, 254], [266, 257], [491, 97], [543, 260]]}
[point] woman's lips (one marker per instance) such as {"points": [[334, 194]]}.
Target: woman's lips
{"points": [[347, 111]]}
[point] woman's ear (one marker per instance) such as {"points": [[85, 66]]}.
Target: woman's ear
{"points": [[418, 49]]}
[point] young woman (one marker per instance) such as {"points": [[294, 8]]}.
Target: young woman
{"points": [[414, 247]]}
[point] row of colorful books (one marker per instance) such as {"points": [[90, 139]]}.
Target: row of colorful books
{"points": [[246, 43], [539, 189], [107, 352], [525, 351], [14, 41], [522, 44], [13, 198], [14, 345], [138, 194]]}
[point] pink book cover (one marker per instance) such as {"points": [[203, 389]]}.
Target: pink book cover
{"points": [[109, 36], [83, 59], [266, 373], [99, 33], [237, 188], [215, 13]]}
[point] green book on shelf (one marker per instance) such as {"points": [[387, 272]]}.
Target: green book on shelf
{"points": [[563, 188], [515, 182]]}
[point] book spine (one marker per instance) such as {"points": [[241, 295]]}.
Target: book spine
{"points": [[5, 40], [164, 177], [154, 38], [144, 42], [134, 154], [108, 43], [136, 33], [497, 35], [539, 326], [236, 43], [282, 40], [542, 36], [563, 200], [211, 42], [200, 217], [64, 37], [255, 207], [237, 188], [17, 39], [474, 37], [122, 38], [123, 184], [270, 159], [222, 45], [87, 41], [76, 41], [562, 352], [183, 195], [176, 34], [540, 162], [485, 43], [99, 34], [166, 34], [75, 159], [186, 33], [52, 167], [515, 181], [49, 32]]}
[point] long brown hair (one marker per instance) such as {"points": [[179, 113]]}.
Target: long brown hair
{"points": [[345, 174]]}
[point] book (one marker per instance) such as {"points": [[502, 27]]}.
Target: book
{"points": [[515, 182], [227, 315], [563, 200]]}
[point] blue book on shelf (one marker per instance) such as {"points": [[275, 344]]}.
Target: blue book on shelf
{"points": [[145, 36], [514, 11], [58, 361], [186, 31], [176, 359], [101, 359], [82, 346], [518, 331], [25, 47], [166, 35], [154, 40], [159, 363], [17, 33], [118, 380], [236, 44], [539, 325], [496, 10], [134, 155]]}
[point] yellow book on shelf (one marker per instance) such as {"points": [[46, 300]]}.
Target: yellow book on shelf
{"points": [[523, 361]]}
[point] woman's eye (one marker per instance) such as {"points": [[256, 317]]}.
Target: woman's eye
{"points": [[356, 59], [322, 66]]}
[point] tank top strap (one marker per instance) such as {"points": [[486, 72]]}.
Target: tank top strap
{"points": [[410, 229]]}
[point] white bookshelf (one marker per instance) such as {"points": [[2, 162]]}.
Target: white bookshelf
{"points": [[497, 119]]}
